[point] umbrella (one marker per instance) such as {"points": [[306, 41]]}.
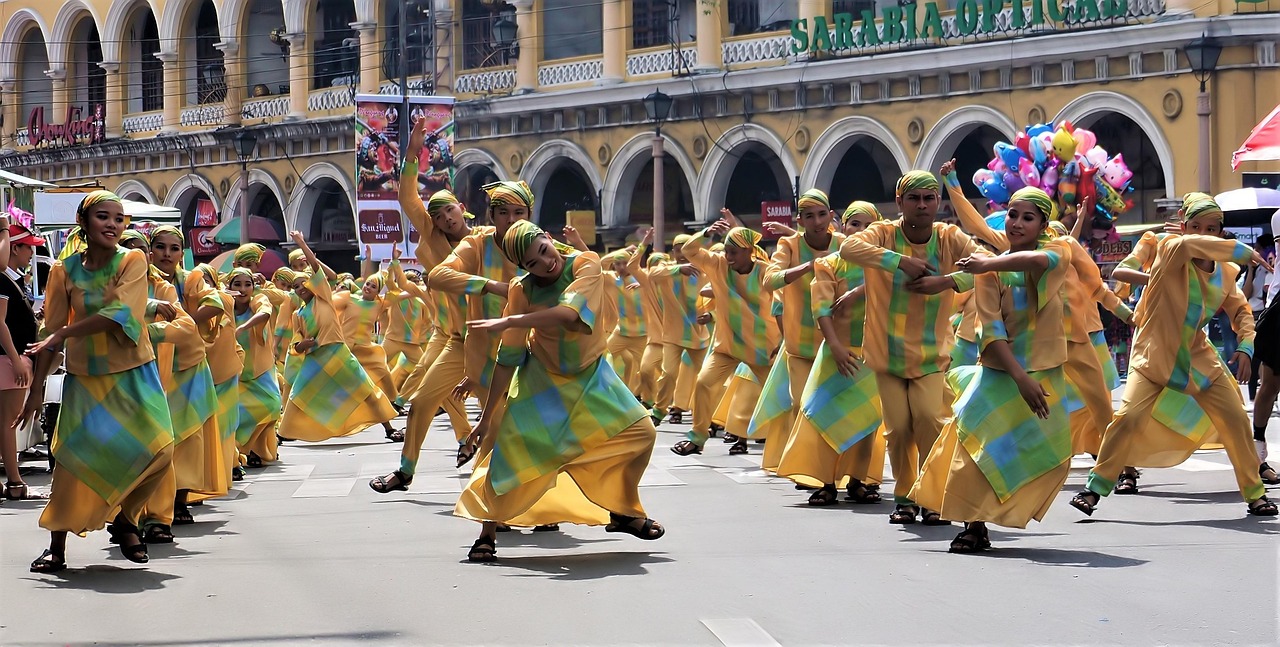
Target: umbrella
{"points": [[1261, 144], [272, 260], [1248, 207], [260, 229]]}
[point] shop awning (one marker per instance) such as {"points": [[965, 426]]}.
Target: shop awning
{"points": [[1261, 144], [21, 180]]}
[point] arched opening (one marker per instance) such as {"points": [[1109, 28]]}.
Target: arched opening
{"points": [[479, 48], [143, 72], [677, 197], [971, 153], [134, 196], [466, 186], [35, 88], [204, 77], [188, 203], [1120, 135], [331, 217], [567, 189], [263, 203], [335, 47], [86, 80], [758, 176], [266, 53], [866, 171], [418, 37]]}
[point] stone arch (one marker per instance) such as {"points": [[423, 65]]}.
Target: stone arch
{"points": [[954, 126], [64, 26], [1095, 104], [630, 160], [257, 177], [717, 169], [178, 17], [548, 158], [479, 157], [185, 184], [829, 148], [11, 41], [301, 205], [136, 187], [113, 32]]}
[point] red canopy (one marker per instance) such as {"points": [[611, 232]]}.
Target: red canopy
{"points": [[1261, 144]]}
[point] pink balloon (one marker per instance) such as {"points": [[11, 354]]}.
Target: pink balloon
{"points": [[1096, 156], [1085, 139]]}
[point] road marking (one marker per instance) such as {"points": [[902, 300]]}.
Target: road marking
{"points": [[745, 476], [1200, 465], [740, 632], [656, 477], [319, 487], [286, 472]]}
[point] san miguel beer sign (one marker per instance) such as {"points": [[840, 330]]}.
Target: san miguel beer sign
{"points": [[73, 130]]}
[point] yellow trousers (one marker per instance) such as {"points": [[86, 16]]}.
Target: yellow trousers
{"points": [[717, 369], [671, 371], [721, 415], [400, 371], [686, 380], [1133, 438], [74, 507], [455, 409], [374, 361], [1085, 372], [442, 375], [625, 355], [650, 372], [913, 415], [808, 459]]}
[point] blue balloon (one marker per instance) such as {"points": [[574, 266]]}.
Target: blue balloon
{"points": [[996, 220]]}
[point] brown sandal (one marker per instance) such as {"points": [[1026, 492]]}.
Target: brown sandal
{"points": [[383, 485], [824, 496], [685, 448]]}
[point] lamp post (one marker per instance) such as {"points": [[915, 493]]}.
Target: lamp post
{"points": [[504, 36], [1202, 56], [246, 142], [658, 106]]}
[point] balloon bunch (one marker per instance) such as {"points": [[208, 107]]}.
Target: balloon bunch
{"points": [[1067, 163]]}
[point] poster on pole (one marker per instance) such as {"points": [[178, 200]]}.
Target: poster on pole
{"points": [[379, 221]]}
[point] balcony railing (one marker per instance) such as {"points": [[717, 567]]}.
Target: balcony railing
{"points": [[265, 108], [571, 71], [209, 114], [332, 99], [481, 81], [660, 61], [143, 122]]}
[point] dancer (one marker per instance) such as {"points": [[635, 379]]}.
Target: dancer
{"points": [[581, 460], [258, 388], [1190, 280], [835, 438], [408, 327], [226, 362], [95, 303], [361, 313], [1005, 454], [332, 395], [907, 338], [745, 330], [628, 342], [677, 286]]}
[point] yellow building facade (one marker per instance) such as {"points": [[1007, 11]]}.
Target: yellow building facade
{"points": [[146, 96]]}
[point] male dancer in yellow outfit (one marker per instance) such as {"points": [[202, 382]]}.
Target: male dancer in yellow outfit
{"points": [[677, 286], [908, 336]]}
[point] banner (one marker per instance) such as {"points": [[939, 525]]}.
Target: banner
{"points": [[379, 222], [780, 212], [206, 216], [202, 243]]}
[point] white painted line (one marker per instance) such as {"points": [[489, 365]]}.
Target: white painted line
{"points": [[656, 477], [1082, 462], [748, 476], [285, 472], [320, 487], [740, 632], [438, 483], [1199, 465]]}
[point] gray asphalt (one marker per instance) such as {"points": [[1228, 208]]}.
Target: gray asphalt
{"points": [[306, 553]]}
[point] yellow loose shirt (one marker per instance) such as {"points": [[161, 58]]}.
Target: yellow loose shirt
{"points": [[832, 277], [653, 322], [123, 299], [359, 318], [800, 334], [743, 305], [259, 356], [317, 318], [678, 301], [1025, 309], [567, 350], [226, 358], [433, 248]]}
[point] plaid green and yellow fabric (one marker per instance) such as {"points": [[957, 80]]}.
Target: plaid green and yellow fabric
{"points": [[1182, 415], [800, 335], [631, 316], [552, 419], [228, 408], [258, 402], [845, 410], [330, 384], [110, 427], [1009, 443], [1109, 371], [774, 406], [117, 291], [192, 401], [360, 319]]}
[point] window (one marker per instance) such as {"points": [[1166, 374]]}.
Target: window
{"points": [[478, 46], [152, 68], [336, 50], [650, 23], [855, 7]]}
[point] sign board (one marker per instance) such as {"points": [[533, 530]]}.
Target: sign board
{"points": [[378, 122], [75, 128], [585, 223], [202, 242], [206, 216], [780, 212], [1112, 252]]}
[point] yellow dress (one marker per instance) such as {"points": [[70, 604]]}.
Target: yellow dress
{"points": [[360, 319], [226, 361]]}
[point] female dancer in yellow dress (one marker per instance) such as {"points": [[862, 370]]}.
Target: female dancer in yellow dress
{"points": [[571, 443], [651, 359], [95, 303], [259, 390], [1005, 454], [332, 395], [1172, 361], [282, 327], [407, 330], [361, 313], [836, 436]]}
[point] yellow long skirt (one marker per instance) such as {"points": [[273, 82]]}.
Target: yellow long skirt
{"points": [[810, 460], [374, 361], [74, 507], [625, 355], [297, 424], [952, 484], [604, 479], [798, 369]]}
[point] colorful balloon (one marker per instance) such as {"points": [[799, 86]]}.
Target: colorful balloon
{"points": [[1023, 143], [1049, 180], [1008, 153], [992, 189], [1096, 156], [1064, 147], [981, 176], [1115, 172], [1011, 181], [1036, 130], [1028, 172], [1085, 139]]}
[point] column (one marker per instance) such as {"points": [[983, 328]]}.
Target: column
{"points": [[370, 56], [116, 105], [61, 99], [710, 30], [173, 94], [527, 38], [9, 128], [614, 42], [299, 76], [810, 8], [233, 77], [444, 28]]}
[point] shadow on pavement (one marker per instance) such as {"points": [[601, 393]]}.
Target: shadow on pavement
{"points": [[1252, 525], [102, 578], [1059, 556], [591, 566]]}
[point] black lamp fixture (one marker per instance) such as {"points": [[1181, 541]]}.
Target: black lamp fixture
{"points": [[1202, 55], [246, 142], [658, 107], [504, 35]]}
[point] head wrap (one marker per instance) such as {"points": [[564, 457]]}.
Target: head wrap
{"points": [[1039, 198], [616, 256], [509, 194], [744, 238], [75, 243], [718, 247], [296, 255], [374, 280], [249, 253], [812, 198], [468, 215], [237, 271], [1195, 205], [210, 272], [413, 274], [349, 285], [343, 277], [285, 274], [1058, 228], [168, 229], [859, 207], [134, 234], [680, 240], [914, 181], [658, 258], [95, 198], [439, 200], [519, 237]]}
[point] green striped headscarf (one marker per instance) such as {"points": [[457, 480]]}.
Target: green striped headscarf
{"points": [[509, 193], [296, 255], [860, 207], [285, 274], [168, 229], [249, 253], [134, 234], [1039, 198], [616, 256], [1197, 205], [744, 238], [237, 271], [95, 198], [519, 238], [439, 200], [658, 258], [680, 240], [916, 180], [374, 280], [812, 198], [1058, 228], [210, 272]]}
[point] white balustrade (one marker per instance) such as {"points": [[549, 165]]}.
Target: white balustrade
{"points": [[143, 123], [486, 81], [265, 108], [571, 72], [661, 61], [771, 47], [332, 99], [209, 114]]}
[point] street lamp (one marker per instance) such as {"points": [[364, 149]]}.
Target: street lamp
{"points": [[658, 107], [1202, 56], [504, 36], [246, 142]]}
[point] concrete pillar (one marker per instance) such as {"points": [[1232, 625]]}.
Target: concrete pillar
{"points": [[299, 76], [614, 42], [530, 42], [370, 56], [173, 94], [58, 105], [116, 104], [9, 130], [445, 30], [710, 29], [233, 77]]}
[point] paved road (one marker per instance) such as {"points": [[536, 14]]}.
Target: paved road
{"points": [[305, 552]]}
